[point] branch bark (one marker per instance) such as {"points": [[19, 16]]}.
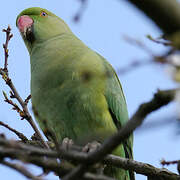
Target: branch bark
{"points": [[17, 150], [20, 135], [24, 113], [164, 13], [161, 98], [35, 155], [21, 169], [141, 168]]}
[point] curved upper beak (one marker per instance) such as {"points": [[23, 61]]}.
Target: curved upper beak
{"points": [[24, 22]]}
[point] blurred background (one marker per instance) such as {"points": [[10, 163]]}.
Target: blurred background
{"points": [[102, 25]]}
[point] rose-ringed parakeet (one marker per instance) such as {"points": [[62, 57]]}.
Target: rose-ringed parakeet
{"points": [[75, 91]]}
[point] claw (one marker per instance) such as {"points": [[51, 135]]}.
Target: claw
{"points": [[90, 147], [67, 143]]}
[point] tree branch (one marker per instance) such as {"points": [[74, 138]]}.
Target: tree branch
{"points": [[165, 13], [35, 155], [141, 168], [5, 46], [22, 152], [14, 93], [20, 169], [161, 98], [79, 13], [20, 135]]}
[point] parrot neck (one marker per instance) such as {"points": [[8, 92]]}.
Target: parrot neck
{"points": [[46, 41]]}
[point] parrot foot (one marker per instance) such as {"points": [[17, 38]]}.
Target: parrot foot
{"points": [[67, 143], [90, 147]]}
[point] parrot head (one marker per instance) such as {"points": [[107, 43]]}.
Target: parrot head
{"points": [[37, 25]]}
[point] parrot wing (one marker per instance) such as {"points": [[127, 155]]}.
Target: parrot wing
{"points": [[117, 107]]}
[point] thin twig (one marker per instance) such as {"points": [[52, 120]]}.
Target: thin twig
{"points": [[161, 98], [20, 135], [5, 46], [163, 162], [160, 59], [21, 169], [50, 133], [162, 42], [158, 11], [134, 65], [141, 168], [79, 13], [35, 155], [27, 99], [138, 43], [15, 106], [76, 173], [24, 113]]}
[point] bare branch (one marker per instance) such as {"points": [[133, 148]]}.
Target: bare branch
{"points": [[15, 106], [24, 113], [78, 15], [138, 43], [20, 135], [134, 65], [21, 169], [160, 59], [76, 173], [159, 41], [27, 99], [161, 98], [166, 13], [5, 46], [141, 168], [22, 152], [35, 155], [163, 162]]}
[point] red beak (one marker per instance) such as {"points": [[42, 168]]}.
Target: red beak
{"points": [[24, 22]]}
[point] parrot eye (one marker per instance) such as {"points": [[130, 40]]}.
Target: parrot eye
{"points": [[43, 14]]}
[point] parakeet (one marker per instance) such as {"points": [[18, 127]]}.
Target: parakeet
{"points": [[75, 91]]}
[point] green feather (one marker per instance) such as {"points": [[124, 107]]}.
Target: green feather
{"points": [[74, 90]]}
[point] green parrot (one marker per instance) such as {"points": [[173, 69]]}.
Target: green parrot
{"points": [[75, 91]]}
